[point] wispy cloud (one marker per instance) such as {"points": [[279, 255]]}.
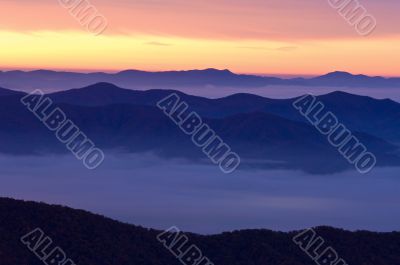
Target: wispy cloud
{"points": [[238, 19], [157, 43], [282, 49]]}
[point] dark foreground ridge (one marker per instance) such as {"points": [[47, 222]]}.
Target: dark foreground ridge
{"points": [[95, 240]]}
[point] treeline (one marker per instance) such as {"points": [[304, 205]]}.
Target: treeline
{"points": [[90, 239]]}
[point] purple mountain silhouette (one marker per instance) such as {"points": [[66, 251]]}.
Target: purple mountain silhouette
{"points": [[52, 80]]}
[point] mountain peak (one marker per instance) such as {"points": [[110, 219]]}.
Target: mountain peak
{"points": [[338, 74], [43, 71], [129, 71], [102, 86], [340, 93], [214, 70]]}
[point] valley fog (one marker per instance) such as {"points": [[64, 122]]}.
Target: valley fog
{"points": [[152, 192]]}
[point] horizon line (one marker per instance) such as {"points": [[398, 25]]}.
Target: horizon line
{"points": [[114, 71]]}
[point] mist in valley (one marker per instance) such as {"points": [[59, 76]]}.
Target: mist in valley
{"points": [[145, 190]]}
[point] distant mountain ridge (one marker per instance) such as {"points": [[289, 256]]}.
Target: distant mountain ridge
{"points": [[360, 113], [265, 132], [46, 79]]}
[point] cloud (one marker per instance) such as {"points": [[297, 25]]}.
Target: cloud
{"points": [[234, 19], [145, 190], [283, 49], [156, 43]]}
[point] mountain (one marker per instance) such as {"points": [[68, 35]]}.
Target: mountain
{"points": [[262, 139], [344, 79], [102, 94], [134, 79], [360, 113], [87, 238], [9, 92], [45, 79]]}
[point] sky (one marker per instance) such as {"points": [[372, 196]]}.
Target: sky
{"points": [[292, 37]]}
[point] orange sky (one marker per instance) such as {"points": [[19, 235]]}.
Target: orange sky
{"points": [[248, 36]]}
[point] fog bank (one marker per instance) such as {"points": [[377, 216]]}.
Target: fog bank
{"points": [[148, 191]]}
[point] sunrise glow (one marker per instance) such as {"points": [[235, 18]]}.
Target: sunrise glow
{"points": [[265, 37]]}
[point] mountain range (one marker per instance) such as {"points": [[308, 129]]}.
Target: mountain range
{"points": [[136, 79], [87, 238], [360, 113], [265, 132]]}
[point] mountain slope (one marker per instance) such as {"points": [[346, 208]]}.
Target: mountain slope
{"points": [[360, 113], [344, 79], [256, 136], [92, 239], [9, 92]]}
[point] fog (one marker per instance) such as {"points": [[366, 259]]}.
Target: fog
{"points": [[272, 91], [283, 92], [147, 191]]}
